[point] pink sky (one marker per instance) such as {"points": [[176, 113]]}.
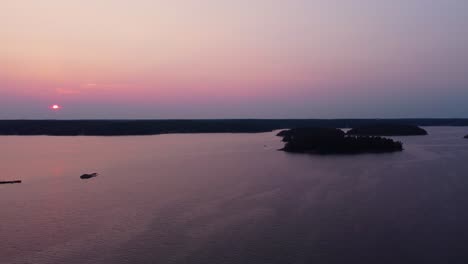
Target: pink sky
{"points": [[233, 59]]}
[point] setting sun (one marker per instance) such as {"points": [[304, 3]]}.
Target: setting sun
{"points": [[55, 107]]}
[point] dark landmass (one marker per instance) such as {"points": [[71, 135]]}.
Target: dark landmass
{"points": [[88, 176], [309, 132], [387, 130], [334, 141], [466, 136], [155, 127], [285, 134], [9, 182]]}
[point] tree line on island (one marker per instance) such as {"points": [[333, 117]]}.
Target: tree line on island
{"points": [[364, 139], [335, 141], [388, 130]]}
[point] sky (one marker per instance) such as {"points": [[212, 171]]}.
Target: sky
{"points": [[121, 59]]}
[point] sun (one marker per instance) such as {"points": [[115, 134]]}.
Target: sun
{"points": [[55, 107]]}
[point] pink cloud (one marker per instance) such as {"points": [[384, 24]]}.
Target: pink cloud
{"points": [[67, 91]]}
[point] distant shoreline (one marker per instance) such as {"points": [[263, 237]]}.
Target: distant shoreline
{"points": [[187, 126]]}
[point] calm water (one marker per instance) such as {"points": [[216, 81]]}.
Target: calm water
{"points": [[227, 198]]}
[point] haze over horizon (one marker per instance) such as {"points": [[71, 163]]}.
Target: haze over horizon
{"points": [[116, 59]]}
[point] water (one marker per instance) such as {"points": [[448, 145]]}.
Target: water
{"points": [[231, 198]]}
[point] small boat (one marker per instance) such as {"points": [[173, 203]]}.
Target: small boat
{"points": [[9, 182], [88, 176]]}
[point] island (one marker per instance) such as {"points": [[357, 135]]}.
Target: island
{"points": [[319, 140], [387, 130], [466, 136]]}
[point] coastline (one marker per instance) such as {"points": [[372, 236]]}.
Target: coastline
{"points": [[187, 126]]}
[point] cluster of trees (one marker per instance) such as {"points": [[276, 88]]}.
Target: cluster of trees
{"points": [[388, 130], [335, 141]]}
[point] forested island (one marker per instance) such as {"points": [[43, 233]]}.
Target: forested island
{"points": [[155, 127], [334, 141], [388, 130]]}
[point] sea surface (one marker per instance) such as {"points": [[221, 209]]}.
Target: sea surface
{"points": [[231, 198]]}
